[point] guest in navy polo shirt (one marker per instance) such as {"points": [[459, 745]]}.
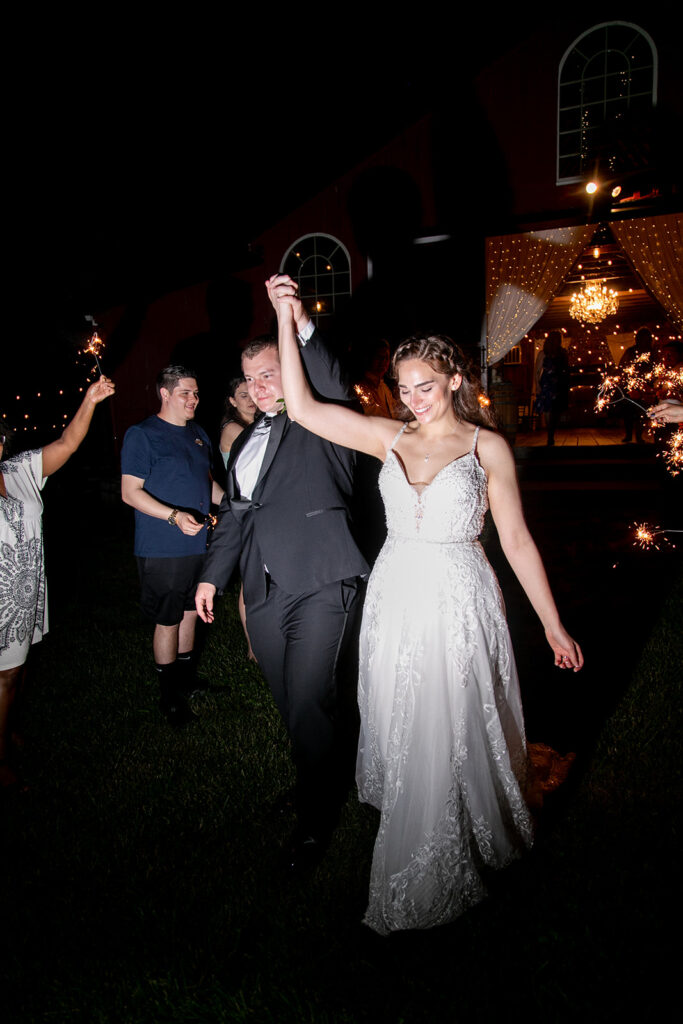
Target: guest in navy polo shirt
{"points": [[166, 477]]}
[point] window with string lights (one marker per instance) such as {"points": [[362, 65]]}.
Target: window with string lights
{"points": [[321, 266], [607, 88]]}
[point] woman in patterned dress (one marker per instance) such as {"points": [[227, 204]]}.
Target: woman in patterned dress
{"points": [[23, 608]]}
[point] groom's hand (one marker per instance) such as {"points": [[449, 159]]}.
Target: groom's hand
{"points": [[203, 600], [282, 290]]}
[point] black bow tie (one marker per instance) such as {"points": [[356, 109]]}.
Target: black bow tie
{"points": [[263, 425]]}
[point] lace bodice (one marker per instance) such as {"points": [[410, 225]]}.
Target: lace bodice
{"points": [[449, 510]]}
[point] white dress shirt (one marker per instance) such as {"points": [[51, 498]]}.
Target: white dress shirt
{"points": [[250, 459]]}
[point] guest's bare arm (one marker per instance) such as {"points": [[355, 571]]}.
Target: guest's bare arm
{"points": [[217, 492], [343, 426], [134, 494], [519, 548], [59, 451], [230, 432]]}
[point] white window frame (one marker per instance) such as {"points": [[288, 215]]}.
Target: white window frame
{"points": [[323, 285], [602, 27]]}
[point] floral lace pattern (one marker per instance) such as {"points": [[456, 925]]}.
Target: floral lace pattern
{"points": [[442, 749], [23, 608]]}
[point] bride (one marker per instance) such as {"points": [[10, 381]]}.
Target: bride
{"points": [[442, 749]]}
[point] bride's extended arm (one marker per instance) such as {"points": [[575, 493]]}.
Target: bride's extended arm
{"points": [[343, 426], [519, 548]]}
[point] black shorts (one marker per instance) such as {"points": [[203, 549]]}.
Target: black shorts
{"points": [[167, 587]]}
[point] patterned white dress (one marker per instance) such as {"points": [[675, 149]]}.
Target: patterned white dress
{"points": [[23, 598], [442, 749]]}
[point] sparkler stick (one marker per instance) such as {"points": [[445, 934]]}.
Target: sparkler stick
{"points": [[609, 387]]}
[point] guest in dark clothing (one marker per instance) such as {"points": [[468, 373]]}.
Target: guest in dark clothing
{"points": [[553, 396]]}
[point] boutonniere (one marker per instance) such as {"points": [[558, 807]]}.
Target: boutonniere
{"points": [[199, 441]]}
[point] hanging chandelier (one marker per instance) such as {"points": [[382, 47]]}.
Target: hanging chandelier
{"points": [[593, 302]]}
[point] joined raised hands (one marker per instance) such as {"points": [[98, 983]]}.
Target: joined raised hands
{"points": [[283, 293]]}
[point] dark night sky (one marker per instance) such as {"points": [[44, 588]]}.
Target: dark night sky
{"points": [[146, 156], [153, 154]]}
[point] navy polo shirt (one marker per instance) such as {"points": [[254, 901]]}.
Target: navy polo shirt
{"points": [[175, 463]]}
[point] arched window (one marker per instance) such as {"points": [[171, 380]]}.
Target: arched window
{"points": [[607, 82], [321, 266]]}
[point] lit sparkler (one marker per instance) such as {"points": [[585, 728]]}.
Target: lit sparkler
{"points": [[642, 376], [648, 536], [673, 453], [365, 398], [94, 347], [611, 391]]}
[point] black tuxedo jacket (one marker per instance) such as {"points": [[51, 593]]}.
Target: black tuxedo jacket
{"points": [[297, 522]]}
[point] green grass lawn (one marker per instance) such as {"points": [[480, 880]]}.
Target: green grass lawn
{"points": [[140, 880]]}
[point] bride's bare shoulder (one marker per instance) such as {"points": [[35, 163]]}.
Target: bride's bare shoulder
{"points": [[493, 449]]}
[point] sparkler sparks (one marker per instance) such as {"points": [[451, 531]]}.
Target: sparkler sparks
{"points": [[365, 398], [673, 453], [483, 400], [647, 536], [93, 348], [643, 376], [611, 391]]}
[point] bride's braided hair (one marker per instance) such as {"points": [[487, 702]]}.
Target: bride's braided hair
{"points": [[444, 356]]}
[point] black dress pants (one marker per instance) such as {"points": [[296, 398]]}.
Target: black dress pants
{"points": [[307, 647]]}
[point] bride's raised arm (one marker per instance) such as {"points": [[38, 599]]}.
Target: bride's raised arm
{"points": [[370, 434]]}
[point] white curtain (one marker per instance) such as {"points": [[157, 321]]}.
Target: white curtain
{"points": [[654, 246], [523, 273]]}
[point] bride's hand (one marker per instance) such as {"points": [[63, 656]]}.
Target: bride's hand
{"points": [[283, 293], [567, 651]]}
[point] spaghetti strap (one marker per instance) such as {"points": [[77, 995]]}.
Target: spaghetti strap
{"points": [[391, 446], [474, 441]]}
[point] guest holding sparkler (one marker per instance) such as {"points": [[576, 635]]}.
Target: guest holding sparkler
{"points": [[23, 605], [375, 396], [668, 411]]}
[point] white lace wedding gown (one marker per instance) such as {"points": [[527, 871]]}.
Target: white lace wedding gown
{"points": [[442, 749]]}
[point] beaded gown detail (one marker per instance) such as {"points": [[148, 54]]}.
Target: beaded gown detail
{"points": [[442, 748]]}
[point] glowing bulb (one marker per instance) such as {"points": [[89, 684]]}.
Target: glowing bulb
{"points": [[591, 187]]}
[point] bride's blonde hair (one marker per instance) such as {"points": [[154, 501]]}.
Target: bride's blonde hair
{"points": [[444, 356]]}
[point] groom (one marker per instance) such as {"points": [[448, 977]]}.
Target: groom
{"points": [[285, 519]]}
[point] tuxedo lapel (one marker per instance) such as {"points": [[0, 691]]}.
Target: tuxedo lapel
{"points": [[277, 429]]}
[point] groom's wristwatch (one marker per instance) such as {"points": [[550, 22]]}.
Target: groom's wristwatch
{"points": [[173, 516]]}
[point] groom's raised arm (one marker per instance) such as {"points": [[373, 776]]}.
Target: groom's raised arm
{"points": [[323, 369]]}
